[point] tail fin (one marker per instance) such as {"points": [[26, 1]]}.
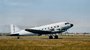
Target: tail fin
{"points": [[14, 29]]}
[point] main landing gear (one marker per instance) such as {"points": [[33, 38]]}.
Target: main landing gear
{"points": [[53, 37]]}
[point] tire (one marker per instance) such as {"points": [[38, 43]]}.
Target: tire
{"points": [[18, 37], [50, 37], [56, 36]]}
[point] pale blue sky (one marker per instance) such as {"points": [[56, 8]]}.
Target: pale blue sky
{"points": [[40, 12]]}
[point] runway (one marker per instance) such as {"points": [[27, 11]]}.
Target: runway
{"points": [[76, 42]]}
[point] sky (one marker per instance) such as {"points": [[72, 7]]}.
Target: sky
{"points": [[31, 13]]}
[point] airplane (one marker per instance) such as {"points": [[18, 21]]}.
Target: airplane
{"points": [[52, 30]]}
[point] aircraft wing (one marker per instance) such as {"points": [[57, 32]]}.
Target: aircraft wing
{"points": [[38, 31]]}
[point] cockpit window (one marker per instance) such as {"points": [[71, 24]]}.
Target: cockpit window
{"points": [[66, 23]]}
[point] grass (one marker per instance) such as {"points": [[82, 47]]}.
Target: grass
{"points": [[77, 42]]}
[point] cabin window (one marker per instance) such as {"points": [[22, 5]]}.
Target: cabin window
{"points": [[57, 25], [51, 27], [54, 26], [45, 28], [48, 27]]}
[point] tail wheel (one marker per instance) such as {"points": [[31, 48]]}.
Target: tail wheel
{"points": [[56, 36], [50, 37], [18, 37]]}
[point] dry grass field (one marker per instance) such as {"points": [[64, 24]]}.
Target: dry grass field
{"points": [[76, 42]]}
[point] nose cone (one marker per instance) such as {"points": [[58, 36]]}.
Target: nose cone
{"points": [[71, 25]]}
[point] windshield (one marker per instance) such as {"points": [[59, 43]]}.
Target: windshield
{"points": [[66, 23]]}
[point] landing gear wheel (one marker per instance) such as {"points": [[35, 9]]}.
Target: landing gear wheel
{"points": [[50, 37], [56, 36], [18, 37]]}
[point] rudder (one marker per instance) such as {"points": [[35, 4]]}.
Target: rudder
{"points": [[14, 29]]}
